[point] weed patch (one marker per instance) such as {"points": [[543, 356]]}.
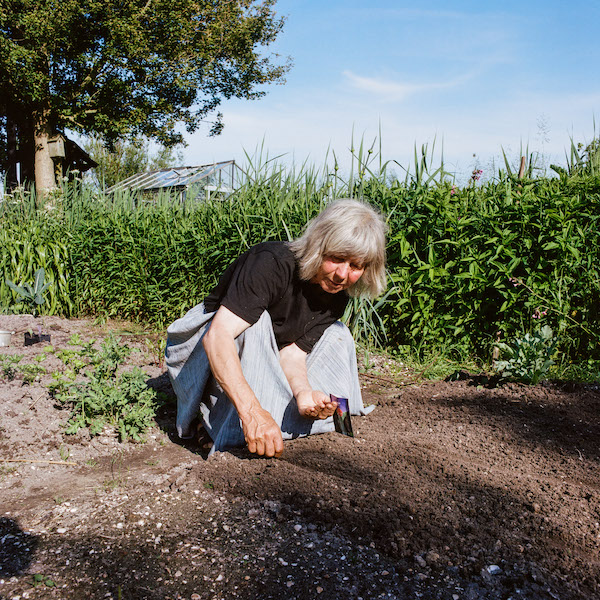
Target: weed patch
{"points": [[106, 396]]}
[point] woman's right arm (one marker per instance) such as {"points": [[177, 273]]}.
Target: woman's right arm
{"points": [[261, 432]]}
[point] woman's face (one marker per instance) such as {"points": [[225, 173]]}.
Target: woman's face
{"points": [[338, 273]]}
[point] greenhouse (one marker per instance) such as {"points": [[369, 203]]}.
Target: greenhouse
{"points": [[215, 181]]}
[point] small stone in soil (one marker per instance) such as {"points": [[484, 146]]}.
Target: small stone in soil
{"points": [[420, 561], [493, 570]]}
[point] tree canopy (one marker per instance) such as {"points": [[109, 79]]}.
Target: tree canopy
{"points": [[123, 68]]}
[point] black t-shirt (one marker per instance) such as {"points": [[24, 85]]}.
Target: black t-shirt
{"points": [[266, 278]]}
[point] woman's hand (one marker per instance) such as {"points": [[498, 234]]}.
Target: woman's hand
{"points": [[315, 405], [312, 404], [261, 432]]}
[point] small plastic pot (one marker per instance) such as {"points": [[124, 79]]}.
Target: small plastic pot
{"points": [[35, 338], [5, 337]]}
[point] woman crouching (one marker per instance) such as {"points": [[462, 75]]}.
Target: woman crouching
{"points": [[258, 359]]}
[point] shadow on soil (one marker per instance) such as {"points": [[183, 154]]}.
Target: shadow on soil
{"points": [[17, 548]]}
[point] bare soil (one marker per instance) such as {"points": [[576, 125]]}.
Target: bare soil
{"points": [[449, 490]]}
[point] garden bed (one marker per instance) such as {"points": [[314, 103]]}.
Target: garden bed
{"points": [[448, 490]]}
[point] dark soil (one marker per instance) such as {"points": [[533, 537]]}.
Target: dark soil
{"points": [[449, 490]]}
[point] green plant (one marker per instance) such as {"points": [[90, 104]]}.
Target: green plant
{"points": [[7, 365], [581, 371], [452, 251], [39, 579], [64, 452], [61, 382], [31, 372], [75, 340], [107, 397], [362, 316], [32, 295], [156, 346], [6, 470], [116, 468], [72, 358], [528, 358]]}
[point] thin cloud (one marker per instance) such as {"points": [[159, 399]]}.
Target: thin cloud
{"points": [[389, 90]]}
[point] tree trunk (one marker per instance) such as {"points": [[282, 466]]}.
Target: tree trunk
{"points": [[12, 181], [44, 165]]}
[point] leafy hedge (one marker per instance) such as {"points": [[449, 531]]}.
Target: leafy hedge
{"points": [[468, 267], [476, 265]]}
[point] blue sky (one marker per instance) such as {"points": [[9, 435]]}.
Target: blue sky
{"points": [[475, 77]]}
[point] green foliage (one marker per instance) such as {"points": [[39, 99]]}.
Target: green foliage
{"points": [[107, 397], [581, 371], [528, 358], [8, 365], [31, 372], [362, 316], [583, 160], [38, 579], [453, 257], [31, 295], [467, 266], [156, 347], [128, 67], [11, 368]]}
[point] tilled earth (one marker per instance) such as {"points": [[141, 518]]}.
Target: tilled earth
{"points": [[449, 490]]}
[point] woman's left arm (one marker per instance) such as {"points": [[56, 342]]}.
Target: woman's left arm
{"points": [[311, 403]]}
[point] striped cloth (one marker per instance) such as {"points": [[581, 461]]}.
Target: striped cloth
{"points": [[331, 369]]}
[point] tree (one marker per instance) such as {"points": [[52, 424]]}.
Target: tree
{"points": [[126, 68], [127, 158]]}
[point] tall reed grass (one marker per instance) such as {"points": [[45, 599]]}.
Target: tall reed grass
{"points": [[467, 266]]}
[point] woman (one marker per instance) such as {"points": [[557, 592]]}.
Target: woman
{"points": [[259, 358]]}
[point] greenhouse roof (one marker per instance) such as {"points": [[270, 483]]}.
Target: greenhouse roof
{"points": [[179, 177]]}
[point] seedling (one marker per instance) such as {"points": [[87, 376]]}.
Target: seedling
{"points": [[64, 452], [39, 579], [75, 340], [8, 365], [31, 372], [156, 348]]}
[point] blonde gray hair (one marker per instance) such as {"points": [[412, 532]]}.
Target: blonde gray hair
{"points": [[350, 229]]}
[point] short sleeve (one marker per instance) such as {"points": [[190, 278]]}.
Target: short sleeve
{"points": [[259, 279]]}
